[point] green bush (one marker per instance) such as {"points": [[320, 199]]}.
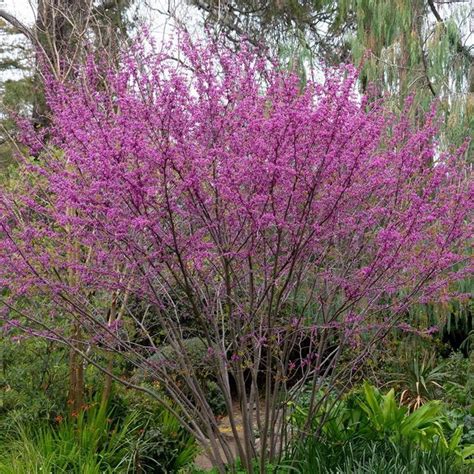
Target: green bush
{"points": [[163, 445], [87, 444], [459, 391], [375, 457], [367, 416], [122, 439], [196, 350], [33, 382]]}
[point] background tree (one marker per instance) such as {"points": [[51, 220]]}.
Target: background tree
{"points": [[411, 49], [64, 31], [16, 88], [315, 25]]}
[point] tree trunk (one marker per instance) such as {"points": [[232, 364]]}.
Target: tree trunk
{"points": [[76, 374]]}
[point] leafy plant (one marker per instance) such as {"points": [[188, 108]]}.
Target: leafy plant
{"points": [[386, 418], [362, 457], [162, 444], [100, 440], [421, 379], [461, 418], [203, 370], [33, 382], [459, 389], [370, 416], [87, 443]]}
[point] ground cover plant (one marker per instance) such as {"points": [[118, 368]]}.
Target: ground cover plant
{"points": [[287, 228]]}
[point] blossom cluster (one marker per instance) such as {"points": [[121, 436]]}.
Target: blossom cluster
{"points": [[214, 180]]}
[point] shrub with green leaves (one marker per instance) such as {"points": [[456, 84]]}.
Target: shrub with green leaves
{"points": [[197, 351], [100, 440], [368, 416], [163, 445], [33, 381], [88, 443], [375, 457]]}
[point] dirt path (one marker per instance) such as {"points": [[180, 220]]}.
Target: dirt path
{"points": [[203, 461]]}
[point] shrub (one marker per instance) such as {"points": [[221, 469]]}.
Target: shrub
{"points": [[88, 443], [100, 440], [161, 444], [379, 457], [262, 217], [367, 416]]}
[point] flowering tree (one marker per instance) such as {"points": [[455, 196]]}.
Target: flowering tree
{"points": [[287, 229]]}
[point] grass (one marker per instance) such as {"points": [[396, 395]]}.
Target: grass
{"points": [[88, 444], [358, 457]]}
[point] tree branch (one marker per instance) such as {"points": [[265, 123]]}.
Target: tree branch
{"points": [[435, 12], [18, 25], [460, 47]]}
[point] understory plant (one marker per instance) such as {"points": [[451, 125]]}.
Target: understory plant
{"points": [[100, 439], [366, 416], [422, 379], [88, 443], [33, 381], [279, 224], [378, 457]]}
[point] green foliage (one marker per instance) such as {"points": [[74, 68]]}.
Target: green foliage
{"points": [[88, 444], [215, 398], [17, 97], [37, 436], [459, 390], [33, 382], [461, 418], [196, 350], [122, 439], [163, 444], [381, 457], [385, 418], [454, 318], [368, 416], [316, 23], [421, 379]]}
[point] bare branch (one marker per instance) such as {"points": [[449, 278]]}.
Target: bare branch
{"points": [[19, 26]]}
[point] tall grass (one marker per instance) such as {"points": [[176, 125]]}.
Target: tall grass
{"points": [[384, 457], [88, 444], [100, 440]]}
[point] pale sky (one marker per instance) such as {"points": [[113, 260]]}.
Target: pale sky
{"points": [[20, 8]]}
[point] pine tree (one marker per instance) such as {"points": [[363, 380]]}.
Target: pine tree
{"points": [[408, 48]]}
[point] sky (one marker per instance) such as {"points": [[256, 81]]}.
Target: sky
{"points": [[20, 8], [24, 9]]}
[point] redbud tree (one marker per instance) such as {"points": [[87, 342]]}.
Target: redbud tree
{"points": [[286, 227]]}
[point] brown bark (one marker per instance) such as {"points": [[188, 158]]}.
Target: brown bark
{"points": [[76, 375]]}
